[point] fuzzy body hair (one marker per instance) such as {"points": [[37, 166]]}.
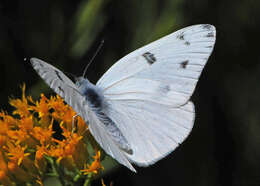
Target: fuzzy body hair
{"points": [[97, 103]]}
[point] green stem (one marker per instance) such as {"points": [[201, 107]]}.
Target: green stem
{"points": [[56, 172], [88, 180]]}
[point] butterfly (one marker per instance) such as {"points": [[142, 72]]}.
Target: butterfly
{"points": [[139, 111]]}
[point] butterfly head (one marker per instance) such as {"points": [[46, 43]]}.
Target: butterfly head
{"points": [[80, 81]]}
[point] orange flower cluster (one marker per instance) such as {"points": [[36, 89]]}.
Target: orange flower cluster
{"points": [[37, 140]]}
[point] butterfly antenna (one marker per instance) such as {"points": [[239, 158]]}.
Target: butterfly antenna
{"points": [[92, 59]]}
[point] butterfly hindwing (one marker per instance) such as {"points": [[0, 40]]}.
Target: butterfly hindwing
{"points": [[152, 130]]}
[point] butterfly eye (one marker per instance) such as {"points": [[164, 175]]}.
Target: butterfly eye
{"points": [[78, 83]]}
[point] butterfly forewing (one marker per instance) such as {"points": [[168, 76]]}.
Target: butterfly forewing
{"points": [[63, 86], [178, 60]]}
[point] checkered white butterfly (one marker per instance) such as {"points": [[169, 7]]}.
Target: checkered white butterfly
{"points": [[140, 110]]}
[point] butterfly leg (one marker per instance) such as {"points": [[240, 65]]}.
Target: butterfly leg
{"points": [[73, 120]]}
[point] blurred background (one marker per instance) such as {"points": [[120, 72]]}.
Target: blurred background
{"points": [[224, 146]]}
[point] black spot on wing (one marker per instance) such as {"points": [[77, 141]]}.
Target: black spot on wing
{"points": [[187, 43], [184, 64], [207, 26], [180, 36], [165, 89], [58, 75], [41, 65], [60, 89], [210, 34], [150, 58]]}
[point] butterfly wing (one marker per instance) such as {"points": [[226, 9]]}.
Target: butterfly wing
{"points": [[63, 86], [172, 64], [148, 91]]}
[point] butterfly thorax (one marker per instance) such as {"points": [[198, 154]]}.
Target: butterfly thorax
{"points": [[92, 94]]}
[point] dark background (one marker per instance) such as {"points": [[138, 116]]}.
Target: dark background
{"points": [[223, 148]]}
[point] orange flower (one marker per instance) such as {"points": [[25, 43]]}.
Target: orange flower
{"points": [[95, 165], [17, 135], [67, 147], [16, 152], [43, 135], [58, 106], [9, 120], [28, 143], [21, 105], [26, 124], [42, 108]]}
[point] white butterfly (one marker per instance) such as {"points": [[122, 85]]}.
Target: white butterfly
{"points": [[140, 110]]}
